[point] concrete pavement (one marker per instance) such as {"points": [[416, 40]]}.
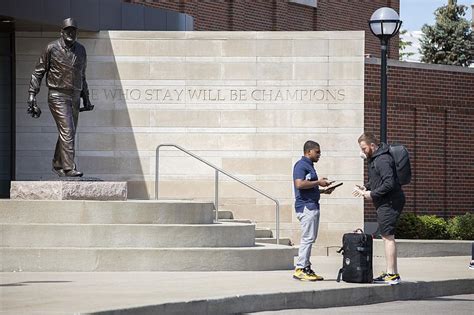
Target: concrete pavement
{"points": [[224, 292]]}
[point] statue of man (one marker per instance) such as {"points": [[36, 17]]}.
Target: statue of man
{"points": [[64, 63]]}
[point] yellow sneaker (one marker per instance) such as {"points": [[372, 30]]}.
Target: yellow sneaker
{"points": [[388, 278], [306, 274]]}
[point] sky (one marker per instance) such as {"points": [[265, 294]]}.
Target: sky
{"points": [[415, 13]]}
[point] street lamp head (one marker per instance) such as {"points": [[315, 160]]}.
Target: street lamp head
{"points": [[385, 23]]}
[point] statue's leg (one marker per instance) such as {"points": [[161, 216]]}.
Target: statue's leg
{"points": [[75, 104], [61, 106]]}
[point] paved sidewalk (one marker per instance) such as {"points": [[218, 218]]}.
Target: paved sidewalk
{"points": [[224, 292], [453, 304]]}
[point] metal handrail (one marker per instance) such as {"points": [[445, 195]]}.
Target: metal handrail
{"points": [[216, 184]]}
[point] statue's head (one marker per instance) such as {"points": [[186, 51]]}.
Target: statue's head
{"points": [[69, 31]]}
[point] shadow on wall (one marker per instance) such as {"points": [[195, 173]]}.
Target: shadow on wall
{"points": [[5, 112], [105, 143]]}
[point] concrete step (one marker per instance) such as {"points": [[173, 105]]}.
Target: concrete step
{"points": [[271, 240], [128, 235], [106, 212], [236, 221], [225, 214], [259, 257], [263, 233]]}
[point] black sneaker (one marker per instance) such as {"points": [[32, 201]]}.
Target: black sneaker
{"points": [[388, 278], [381, 278], [471, 265], [393, 279]]}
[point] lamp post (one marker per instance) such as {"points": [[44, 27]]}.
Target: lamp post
{"points": [[384, 23]]}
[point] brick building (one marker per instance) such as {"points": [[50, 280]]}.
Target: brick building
{"points": [[429, 106], [283, 15], [430, 110]]}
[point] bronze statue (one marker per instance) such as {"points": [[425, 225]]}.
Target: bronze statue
{"points": [[64, 63]]}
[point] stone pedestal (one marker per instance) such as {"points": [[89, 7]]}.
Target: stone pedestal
{"points": [[68, 190]]}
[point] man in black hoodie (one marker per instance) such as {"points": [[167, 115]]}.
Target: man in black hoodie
{"points": [[387, 196]]}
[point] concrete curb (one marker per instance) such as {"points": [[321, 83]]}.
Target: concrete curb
{"points": [[365, 294]]}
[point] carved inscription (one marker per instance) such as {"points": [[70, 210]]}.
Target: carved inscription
{"points": [[245, 94]]}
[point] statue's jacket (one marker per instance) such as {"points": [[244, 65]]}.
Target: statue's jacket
{"points": [[65, 68]]}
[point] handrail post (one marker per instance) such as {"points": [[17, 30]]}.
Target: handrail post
{"points": [[157, 171], [216, 194], [216, 188], [277, 223]]}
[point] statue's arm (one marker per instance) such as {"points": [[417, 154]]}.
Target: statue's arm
{"points": [[39, 72], [35, 83], [85, 88]]}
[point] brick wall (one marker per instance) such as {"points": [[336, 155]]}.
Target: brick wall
{"points": [[354, 15], [279, 15], [431, 112]]}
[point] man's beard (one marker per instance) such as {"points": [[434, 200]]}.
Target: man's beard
{"points": [[370, 153]]}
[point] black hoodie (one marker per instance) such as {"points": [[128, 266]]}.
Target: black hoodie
{"points": [[383, 182]]}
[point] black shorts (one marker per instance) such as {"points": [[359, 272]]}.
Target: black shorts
{"points": [[388, 214]]}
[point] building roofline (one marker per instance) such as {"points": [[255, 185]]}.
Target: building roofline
{"points": [[419, 65]]}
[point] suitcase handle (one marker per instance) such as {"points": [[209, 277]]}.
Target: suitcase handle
{"points": [[360, 231]]}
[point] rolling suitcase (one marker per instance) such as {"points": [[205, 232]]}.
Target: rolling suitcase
{"points": [[357, 257]]}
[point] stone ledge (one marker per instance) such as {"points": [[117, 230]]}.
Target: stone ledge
{"points": [[68, 190], [426, 248]]}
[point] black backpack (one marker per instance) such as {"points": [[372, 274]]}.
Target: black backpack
{"points": [[401, 158], [357, 258]]}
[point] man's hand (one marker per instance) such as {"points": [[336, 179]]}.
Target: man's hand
{"points": [[360, 191], [327, 191], [323, 182], [33, 108], [87, 105], [367, 195]]}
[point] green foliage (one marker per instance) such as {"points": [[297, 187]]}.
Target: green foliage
{"points": [[408, 226], [462, 227], [402, 45], [449, 41], [433, 228]]}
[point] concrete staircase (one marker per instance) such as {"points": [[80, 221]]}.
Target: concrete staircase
{"points": [[262, 235], [129, 236]]}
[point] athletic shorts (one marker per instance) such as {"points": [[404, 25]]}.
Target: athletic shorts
{"points": [[388, 214]]}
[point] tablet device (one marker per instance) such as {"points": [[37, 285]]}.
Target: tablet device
{"points": [[333, 185]]}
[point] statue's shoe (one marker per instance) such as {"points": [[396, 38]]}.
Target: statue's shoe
{"points": [[59, 171], [73, 173]]}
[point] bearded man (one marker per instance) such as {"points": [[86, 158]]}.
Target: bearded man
{"points": [[386, 193]]}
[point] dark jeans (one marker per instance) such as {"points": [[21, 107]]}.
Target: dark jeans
{"points": [[64, 105]]}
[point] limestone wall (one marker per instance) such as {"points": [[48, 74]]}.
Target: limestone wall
{"points": [[246, 101]]}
